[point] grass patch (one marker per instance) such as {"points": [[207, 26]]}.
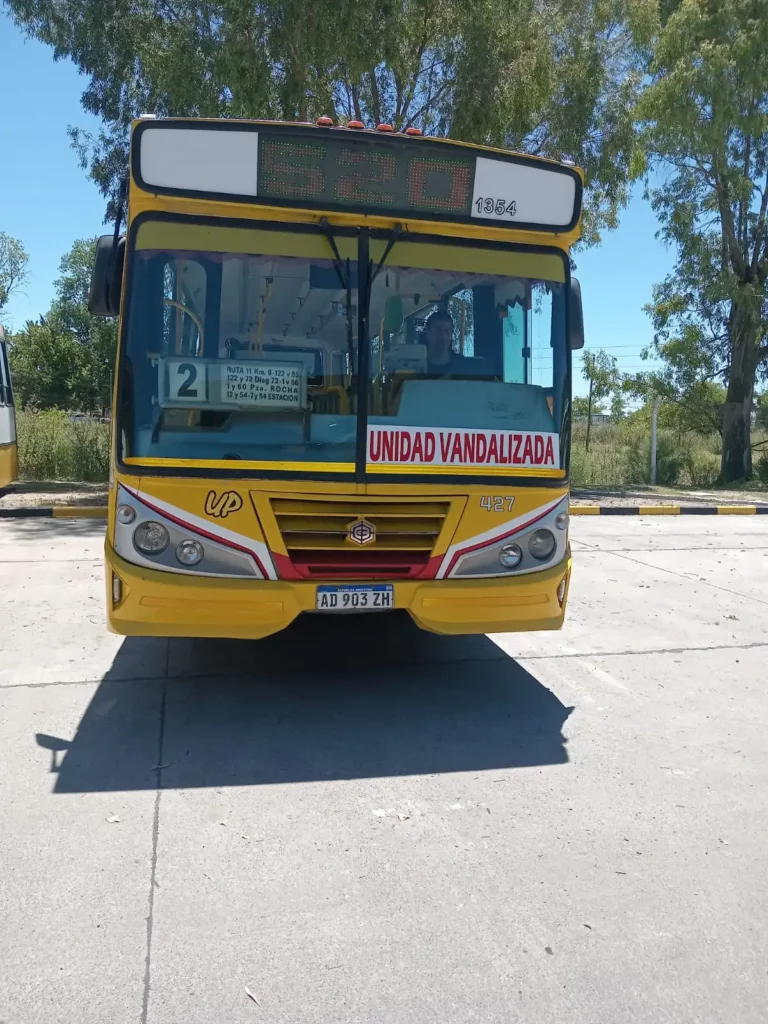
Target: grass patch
{"points": [[620, 456], [54, 447]]}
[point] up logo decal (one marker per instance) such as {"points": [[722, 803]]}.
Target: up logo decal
{"points": [[220, 505]]}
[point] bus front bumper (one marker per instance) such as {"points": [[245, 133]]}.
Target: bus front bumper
{"points": [[167, 604]]}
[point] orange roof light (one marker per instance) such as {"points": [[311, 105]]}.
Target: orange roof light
{"points": [[413, 131], [355, 124], [325, 121], [384, 128]]}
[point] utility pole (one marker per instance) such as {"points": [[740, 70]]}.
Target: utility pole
{"points": [[654, 420]]}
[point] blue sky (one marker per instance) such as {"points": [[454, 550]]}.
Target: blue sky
{"points": [[47, 202]]}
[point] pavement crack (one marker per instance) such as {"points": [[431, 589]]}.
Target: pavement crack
{"points": [[638, 654], [687, 577], [153, 871]]}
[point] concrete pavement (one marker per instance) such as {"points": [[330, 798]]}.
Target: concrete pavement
{"points": [[533, 828]]}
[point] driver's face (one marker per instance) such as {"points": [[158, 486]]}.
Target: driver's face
{"points": [[439, 338]]}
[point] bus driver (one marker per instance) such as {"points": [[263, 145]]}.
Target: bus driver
{"points": [[442, 361]]}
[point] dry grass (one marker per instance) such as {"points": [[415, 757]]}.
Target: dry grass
{"points": [[53, 446]]}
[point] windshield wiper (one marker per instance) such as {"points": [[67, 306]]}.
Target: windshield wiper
{"points": [[345, 277], [397, 230]]}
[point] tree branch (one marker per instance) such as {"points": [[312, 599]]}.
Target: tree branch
{"points": [[729, 228], [760, 229], [375, 102], [432, 98]]}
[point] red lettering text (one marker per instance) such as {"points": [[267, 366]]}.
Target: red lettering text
{"points": [[374, 441], [493, 449], [539, 447], [469, 448], [387, 446], [518, 439], [549, 455]]}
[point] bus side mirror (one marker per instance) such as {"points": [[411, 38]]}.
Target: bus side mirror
{"points": [[575, 316], [107, 277]]}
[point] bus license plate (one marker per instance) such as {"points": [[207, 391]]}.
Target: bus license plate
{"points": [[377, 598]]}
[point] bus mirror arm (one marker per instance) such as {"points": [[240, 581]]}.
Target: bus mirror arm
{"points": [[575, 317]]}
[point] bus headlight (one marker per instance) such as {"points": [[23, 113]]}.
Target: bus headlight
{"points": [[189, 552], [541, 544], [150, 538], [125, 514], [510, 556]]}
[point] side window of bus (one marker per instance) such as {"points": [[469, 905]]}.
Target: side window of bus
{"points": [[184, 293], [5, 378], [527, 337]]}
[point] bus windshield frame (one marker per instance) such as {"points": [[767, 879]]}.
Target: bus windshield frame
{"points": [[357, 264]]}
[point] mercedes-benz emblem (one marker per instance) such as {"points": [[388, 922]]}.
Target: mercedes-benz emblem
{"points": [[362, 532]]}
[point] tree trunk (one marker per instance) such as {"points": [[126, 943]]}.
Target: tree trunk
{"points": [[736, 459], [589, 412]]}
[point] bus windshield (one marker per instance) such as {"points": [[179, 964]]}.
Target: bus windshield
{"points": [[244, 344]]}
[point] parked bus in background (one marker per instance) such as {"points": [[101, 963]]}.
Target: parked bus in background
{"points": [[9, 460], [343, 379]]}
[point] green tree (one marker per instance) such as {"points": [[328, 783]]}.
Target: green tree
{"points": [[45, 364], [602, 372], [552, 77], [706, 126], [13, 266], [66, 360], [581, 408]]}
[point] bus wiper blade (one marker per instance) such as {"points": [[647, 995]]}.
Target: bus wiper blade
{"points": [[338, 263], [346, 284], [397, 230]]}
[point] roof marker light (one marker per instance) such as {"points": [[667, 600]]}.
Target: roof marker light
{"points": [[384, 128], [355, 124], [325, 121], [413, 131]]}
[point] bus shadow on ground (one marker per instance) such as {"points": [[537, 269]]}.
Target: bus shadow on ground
{"points": [[369, 696]]}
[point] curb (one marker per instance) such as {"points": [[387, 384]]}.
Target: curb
{"points": [[56, 512], [669, 510], [100, 511]]}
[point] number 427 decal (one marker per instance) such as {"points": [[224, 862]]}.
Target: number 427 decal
{"points": [[496, 503]]}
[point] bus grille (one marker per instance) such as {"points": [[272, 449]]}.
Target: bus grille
{"points": [[316, 534]]}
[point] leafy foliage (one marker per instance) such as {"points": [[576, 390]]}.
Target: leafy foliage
{"points": [[13, 266], [66, 359], [544, 76], [705, 119], [581, 409]]}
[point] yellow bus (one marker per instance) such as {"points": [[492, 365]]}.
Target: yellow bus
{"points": [[343, 380], [9, 460]]}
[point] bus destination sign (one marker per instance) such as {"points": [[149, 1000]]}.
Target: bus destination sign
{"points": [[364, 172]]}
